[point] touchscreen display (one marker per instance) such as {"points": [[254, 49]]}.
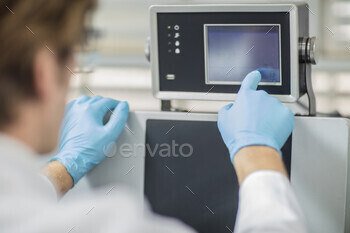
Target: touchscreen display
{"points": [[232, 51]]}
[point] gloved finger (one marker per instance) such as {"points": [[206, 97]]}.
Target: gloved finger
{"points": [[225, 108], [118, 119], [103, 106], [95, 99], [269, 74], [69, 105], [251, 81], [222, 112], [82, 99], [289, 115]]}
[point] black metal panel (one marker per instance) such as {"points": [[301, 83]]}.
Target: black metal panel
{"points": [[200, 189], [189, 65]]}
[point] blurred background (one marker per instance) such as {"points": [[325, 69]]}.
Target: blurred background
{"points": [[113, 64]]}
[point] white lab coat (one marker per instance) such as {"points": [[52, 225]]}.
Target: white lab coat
{"points": [[28, 203]]}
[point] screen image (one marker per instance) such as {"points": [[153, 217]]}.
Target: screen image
{"points": [[232, 51]]}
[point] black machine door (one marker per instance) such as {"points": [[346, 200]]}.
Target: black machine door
{"points": [[189, 176]]}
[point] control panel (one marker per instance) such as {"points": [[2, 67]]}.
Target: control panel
{"points": [[203, 52]]}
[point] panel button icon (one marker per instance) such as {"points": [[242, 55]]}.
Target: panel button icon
{"points": [[177, 27], [177, 35], [177, 43], [170, 76], [177, 51]]}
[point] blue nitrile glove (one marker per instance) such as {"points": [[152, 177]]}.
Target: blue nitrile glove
{"points": [[84, 137], [255, 119]]}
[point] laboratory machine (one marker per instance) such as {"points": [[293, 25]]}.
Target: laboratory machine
{"points": [[177, 160]]}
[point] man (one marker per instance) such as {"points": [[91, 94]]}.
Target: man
{"points": [[37, 42]]}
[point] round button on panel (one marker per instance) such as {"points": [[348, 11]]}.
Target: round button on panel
{"points": [[177, 27]]}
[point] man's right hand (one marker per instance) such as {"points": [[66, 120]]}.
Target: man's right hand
{"points": [[84, 137], [255, 119]]}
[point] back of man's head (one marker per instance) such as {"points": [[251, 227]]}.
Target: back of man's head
{"points": [[26, 26]]}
